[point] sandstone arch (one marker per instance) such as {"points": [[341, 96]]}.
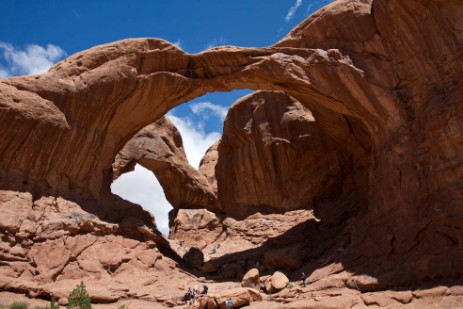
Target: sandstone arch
{"points": [[159, 148], [383, 78], [99, 106]]}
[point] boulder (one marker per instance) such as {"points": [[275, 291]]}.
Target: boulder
{"points": [[277, 282], [194, 258], [251, 279], [203, 224], [239, 296]]}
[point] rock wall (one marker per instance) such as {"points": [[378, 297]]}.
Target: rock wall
{"points": [[273, 157]]}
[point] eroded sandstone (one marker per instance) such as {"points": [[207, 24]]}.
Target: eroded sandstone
{"points": [[159, 148], [382, 78], [274, 157]]}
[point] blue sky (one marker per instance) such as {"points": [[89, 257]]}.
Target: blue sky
{"points": [[36, 34]]}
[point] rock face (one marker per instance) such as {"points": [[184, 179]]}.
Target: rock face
{"points": [[159, 148], [273, 157], [208, 164], [383, 79], [48, 245]]}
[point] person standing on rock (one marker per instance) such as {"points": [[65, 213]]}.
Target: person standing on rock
{"points": [[304, 279], [187, 297], [229, 303]]}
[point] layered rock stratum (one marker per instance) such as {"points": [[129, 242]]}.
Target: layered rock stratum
{"points": [[383, 79]]}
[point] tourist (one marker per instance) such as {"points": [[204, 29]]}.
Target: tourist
{"points": [[303, 279], [229, 303], [205, 289], [187, 297]]}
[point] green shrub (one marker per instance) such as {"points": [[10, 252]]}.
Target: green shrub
{"points": [[79, 298], [53, 304], [290, 285], [19, 305], [124, 307]]}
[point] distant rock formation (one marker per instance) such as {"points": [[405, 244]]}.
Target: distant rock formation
{"points": [[159, 148]]}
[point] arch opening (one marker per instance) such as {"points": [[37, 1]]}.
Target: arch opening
{"points": [[199, 124], [249, 191], [141, 187]]}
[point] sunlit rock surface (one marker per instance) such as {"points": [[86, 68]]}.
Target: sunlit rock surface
{"points": [[382, 78]]}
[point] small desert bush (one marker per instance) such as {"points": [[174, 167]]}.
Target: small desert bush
{"points": [[79, 298], [19, 305]]}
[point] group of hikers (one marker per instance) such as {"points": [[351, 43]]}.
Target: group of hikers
{"points": [[190, 295]]}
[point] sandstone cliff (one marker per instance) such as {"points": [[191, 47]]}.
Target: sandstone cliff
{"points": [[273, 157]]}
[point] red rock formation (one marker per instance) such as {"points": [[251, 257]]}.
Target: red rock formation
{"points": [[48, 245], [273, 157], [208, 164], [382, 78], [159, 148]]}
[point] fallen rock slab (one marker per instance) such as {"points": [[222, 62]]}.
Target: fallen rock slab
{"points": [[239, 296]]}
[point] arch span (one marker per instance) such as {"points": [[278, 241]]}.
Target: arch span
{"points": [[103, 96]]}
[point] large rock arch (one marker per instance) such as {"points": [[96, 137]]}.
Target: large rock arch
{"points": [[99, 106], [383, 78]]}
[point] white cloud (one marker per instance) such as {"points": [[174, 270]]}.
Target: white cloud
{"points": [[203, 108], [4, 73], [34, 59], [316, 5], [293, 10], [309, 8], [142, 187], [178, 43], [195, 140], [216, 42]]}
